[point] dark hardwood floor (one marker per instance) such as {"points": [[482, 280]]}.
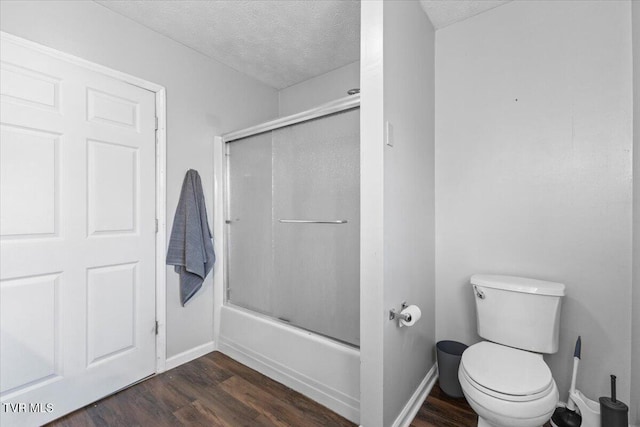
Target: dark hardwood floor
{"points": [[215, 390], [440, 410]]}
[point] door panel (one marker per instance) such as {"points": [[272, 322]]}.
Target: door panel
{"points": [[77, 235], [110, 333], [113, 174], [30, 355], [30, 165]]}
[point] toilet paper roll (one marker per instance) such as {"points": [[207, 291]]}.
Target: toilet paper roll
{"points": [[414, 312]]}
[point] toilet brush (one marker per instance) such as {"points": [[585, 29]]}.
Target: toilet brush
{"points": [[569, 417]]}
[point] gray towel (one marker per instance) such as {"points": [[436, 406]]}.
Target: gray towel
{"points": [[190, 246]]}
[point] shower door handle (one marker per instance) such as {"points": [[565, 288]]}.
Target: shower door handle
{"points": [[312, 221]]}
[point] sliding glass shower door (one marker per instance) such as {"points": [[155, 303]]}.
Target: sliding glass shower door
{"points": [[294, 223]]}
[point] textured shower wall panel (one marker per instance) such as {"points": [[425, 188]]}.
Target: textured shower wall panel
{"points": [[304, 274], [317, 266], [250, 232]]}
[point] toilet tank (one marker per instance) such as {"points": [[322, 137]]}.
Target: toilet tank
{"points": [[518, 312]]}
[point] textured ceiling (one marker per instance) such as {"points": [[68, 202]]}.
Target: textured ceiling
{"points": [[277, 42], [446, 12]]}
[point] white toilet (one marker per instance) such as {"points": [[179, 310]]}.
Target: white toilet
{"points": [[505, 379]]}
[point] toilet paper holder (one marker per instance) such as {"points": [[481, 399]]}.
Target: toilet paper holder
{"points": [[393, 314]]}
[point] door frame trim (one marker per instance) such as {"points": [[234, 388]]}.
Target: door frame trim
{"points": [[161, 164]]}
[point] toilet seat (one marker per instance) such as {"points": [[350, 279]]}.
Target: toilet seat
{"points": [[504, 396], [506, 373], [506, 386]]}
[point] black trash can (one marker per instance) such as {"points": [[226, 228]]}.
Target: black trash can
{"points": [[449, 354]]}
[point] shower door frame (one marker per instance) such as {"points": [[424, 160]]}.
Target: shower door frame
{"points": [[248, 336], [222, 194]]}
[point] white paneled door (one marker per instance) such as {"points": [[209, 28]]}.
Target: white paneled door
{"points": [[77, 235]]}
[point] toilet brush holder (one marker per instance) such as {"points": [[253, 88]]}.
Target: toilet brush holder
{"points": [[613, 413]]}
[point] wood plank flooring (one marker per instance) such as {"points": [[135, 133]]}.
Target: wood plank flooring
{"points": [[440, 410], [215, 390]]}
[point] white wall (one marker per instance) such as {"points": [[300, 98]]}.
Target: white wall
{"points": [[372, 308], [204, 98], [533, 172], [397, 193], [320, 89], [409, 198], [635, 339]]}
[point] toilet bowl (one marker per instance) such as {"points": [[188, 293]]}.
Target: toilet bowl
{"points": [[505, 379], [507, 387]]}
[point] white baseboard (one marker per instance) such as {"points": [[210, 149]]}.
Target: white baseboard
{"points": [[335, 400], [413, 405], [189, 355]]}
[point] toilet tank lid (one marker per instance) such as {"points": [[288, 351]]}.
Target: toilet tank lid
{"points": [[518, 284]]}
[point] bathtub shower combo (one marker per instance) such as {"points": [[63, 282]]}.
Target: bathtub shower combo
{"points": [[291, 279]]}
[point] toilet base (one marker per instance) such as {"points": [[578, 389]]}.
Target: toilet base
{"points": [[484, 423], [496, 412]]}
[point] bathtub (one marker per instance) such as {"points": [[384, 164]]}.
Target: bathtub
{"points": [[323, 369]]}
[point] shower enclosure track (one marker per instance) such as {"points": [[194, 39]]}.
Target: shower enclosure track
{"points": [[342, 104], [312, 221]]}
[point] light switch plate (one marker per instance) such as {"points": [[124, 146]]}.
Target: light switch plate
{"points": [[388, 137]]}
